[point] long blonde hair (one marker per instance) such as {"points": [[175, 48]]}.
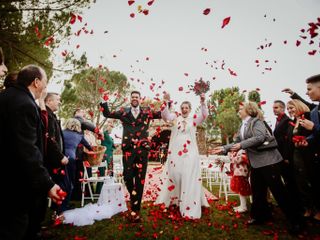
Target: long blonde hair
{"points": [[73, 125], [299, 106]]}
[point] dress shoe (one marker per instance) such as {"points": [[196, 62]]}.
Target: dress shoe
{"points": [[134, 217], [253, 221]]}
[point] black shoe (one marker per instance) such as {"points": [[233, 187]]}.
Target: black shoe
{"points": [[295, 229]]}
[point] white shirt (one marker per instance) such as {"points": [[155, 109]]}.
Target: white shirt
{"points": [[243, 126], [135, 111]]}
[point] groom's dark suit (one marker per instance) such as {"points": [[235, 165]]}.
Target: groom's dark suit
{"points": [[135, 155], [24, 179]]}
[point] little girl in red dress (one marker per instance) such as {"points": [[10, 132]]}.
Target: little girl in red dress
{"points": [[239, 180]]}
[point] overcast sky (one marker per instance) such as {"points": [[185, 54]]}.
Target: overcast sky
{"points": [[175, 33]]}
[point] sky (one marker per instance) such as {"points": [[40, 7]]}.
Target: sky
{"points": [[177, 38]]}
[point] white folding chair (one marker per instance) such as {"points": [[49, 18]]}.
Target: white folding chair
{"points": [[118, 168], [94, 179], [224, 188]]}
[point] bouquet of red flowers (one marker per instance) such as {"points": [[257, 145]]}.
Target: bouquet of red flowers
{"points": [[298, 139], [200, 87]]}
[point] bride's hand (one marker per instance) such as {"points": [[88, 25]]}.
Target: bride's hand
{"points": [[202, 97], [166, 97]]}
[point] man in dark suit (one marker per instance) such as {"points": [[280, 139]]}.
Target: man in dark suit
{"points": [[281, 134], [135, 121], [21, 146], [55, 159], [281, 127]]}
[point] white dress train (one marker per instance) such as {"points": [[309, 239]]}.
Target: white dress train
{"points": [[111, 201], [181, 182]]}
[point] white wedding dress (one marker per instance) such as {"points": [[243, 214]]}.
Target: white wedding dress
{"points": [[181, 182], [111, 201]]}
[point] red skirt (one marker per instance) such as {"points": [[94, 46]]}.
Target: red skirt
{"points": [[240, 185]]}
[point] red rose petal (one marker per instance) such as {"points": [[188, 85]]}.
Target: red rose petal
{"points": [[225, 22], [130, 3], [132, 15], [206, 11], [171, 187]]}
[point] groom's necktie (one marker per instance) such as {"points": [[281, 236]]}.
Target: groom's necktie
{"points": [[135, 112]]}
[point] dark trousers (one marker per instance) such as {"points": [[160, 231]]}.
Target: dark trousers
{"points": [[302, 163], [36, 216], [77, 191], [288, 175], [315, 181], [135, 163], [13, 225], [270, 177]]}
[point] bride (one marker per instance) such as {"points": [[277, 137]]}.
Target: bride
{"points": [[181, 182]]}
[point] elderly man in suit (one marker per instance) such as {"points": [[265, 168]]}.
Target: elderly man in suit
{"points": [[135, 121], [265, 172], [21, 146]]}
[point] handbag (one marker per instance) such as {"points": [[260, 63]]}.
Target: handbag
{"points": [[269, 143]]}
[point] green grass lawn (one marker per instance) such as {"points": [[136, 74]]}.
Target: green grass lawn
{"points": [[217, 222]]}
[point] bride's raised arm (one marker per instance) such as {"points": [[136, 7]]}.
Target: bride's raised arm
{"points": [[165, 113], [200, 117]]}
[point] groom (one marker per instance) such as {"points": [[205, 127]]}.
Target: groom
{"points": [[135, 147]]}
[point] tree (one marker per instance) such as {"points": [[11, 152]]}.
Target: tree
{"points": [[31, 29], [254, 96], [223, 119], [85, 90]]}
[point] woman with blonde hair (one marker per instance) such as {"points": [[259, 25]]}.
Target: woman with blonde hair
{"points": [[72, 138], [265, 163], [300, 158]]}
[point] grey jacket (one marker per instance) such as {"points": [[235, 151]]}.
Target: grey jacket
{"points": [[250, 141]]}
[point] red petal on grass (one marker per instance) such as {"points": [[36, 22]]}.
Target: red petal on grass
{"points": [[180, 153], [171, 187], [285, 41], [225, 22], [206, 11], [298, 43], [130, 3], [132, 15], [180, 89], [186, 74]]}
